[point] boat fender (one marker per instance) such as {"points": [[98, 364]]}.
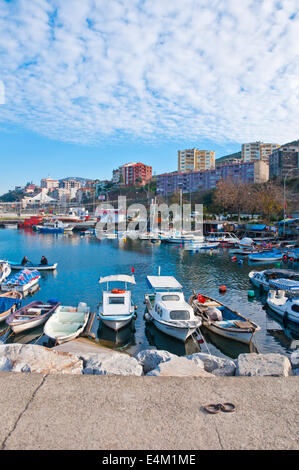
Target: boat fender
{"points": [[291, 259], [285, 258], [222, 288], [234, 258]]}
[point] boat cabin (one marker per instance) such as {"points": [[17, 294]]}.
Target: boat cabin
{"points": [[117, 301]]}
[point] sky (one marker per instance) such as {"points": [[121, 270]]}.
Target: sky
{"points": [[87, 86]]}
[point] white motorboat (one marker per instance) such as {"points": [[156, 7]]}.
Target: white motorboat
{"points": [[262, 278], [67, 322], [5, 270], [168, 309], [283, 298], [117, 308], [224, 238], [194, 246]]}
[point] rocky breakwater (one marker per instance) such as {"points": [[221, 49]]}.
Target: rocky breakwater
{"points": [[149, 362]]}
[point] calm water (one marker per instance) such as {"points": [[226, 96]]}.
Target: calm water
{"points": [[83, 259]]}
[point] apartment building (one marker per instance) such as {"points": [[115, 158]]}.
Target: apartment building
{"points": [[132, 173], [284, 159], [241, 173], [195, 160], [257, 151], [49, 183]]}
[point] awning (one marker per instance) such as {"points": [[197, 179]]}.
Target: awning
{"points": [[285, 284], [118, 278], [163, 282]]}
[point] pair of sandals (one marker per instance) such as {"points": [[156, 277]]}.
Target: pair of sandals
{"points": [[216, 408]]}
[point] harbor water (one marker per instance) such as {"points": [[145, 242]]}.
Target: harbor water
{"points": [[82, 259]]}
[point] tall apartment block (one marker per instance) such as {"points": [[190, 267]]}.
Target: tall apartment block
{"points": [[284, 159], [132, 173], [257, 151], [195, 160]]}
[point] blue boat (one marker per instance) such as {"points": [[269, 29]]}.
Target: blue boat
{"points": [[267, 257]]}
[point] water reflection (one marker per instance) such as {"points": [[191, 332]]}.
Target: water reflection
{"points": [[120, 339]]}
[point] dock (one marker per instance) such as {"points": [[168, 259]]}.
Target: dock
{"points": [[126, 413]]}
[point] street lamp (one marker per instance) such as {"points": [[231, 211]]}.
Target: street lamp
{"points": [[284, 197]]}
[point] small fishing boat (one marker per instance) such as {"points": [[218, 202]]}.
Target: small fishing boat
{"points": [[283, 298], [117, 309], [8, 303], [222, 320], [31, 316], [67, 323], [5, 270], [55, 226], [22, 281], [11, 226], [267, 257], [168, 309], [262, 278], [38, 267]]}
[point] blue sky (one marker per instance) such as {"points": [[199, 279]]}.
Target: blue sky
{"points": [[87, 86]]}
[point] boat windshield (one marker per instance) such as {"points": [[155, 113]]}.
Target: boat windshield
{"points": [[179, 315], [170, 297], [116, 300]]}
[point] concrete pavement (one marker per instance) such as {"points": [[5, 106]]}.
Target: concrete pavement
{"points": [[154, 413]]}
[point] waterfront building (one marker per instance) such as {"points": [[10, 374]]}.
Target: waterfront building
{"points": [[195, 160], [284, 159], [257, 151], [250, 172], [70, 183]]}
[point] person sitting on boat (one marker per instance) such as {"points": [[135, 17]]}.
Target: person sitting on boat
{"points": [[25, 260], [44, 261]]}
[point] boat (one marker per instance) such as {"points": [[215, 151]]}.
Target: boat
{"points": [[11, 226], [267, 257], [22, 281], [8, 303], [283, 298], [55, 226], [222, 320], [228, 239], [262, 278], [67, 322], [5, 270], [181, 237], [117, 308], [168, 309], [194, 246], [32, 315], [30, 267]]}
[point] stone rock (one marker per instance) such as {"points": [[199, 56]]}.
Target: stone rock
{"points": [[253, 364], [216, 365], [5, 364], [112, 363], [34, 358], [149, 359], [179, 367], [295, 359]]}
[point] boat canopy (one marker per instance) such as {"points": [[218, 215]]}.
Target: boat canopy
{"points": [[163, 282], [118, 278], [285, 284]]}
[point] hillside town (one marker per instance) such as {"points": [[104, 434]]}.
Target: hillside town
{"points": [[197, 171]]}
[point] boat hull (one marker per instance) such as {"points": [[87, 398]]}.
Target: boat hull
{"points": [[49, 267], [282, 312], [240, 336], [116, 323], [182, 334], [29, 325], [22, 289]]}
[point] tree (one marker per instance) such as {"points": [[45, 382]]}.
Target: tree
{"points": [[233, 196]]}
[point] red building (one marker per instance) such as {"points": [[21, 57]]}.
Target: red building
{"points": [[137, 173]]}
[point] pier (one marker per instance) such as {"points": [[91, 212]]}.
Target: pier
{"points": [[110, 412]]}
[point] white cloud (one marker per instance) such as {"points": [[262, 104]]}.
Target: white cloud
{"points": [[84, 71]]}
